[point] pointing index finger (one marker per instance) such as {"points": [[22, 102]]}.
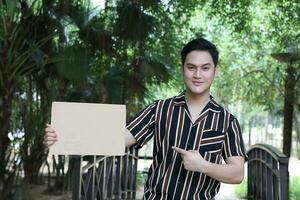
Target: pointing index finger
{"points": [[179, 150]]}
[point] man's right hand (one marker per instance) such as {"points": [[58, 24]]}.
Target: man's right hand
{"points": [[50, 136]]}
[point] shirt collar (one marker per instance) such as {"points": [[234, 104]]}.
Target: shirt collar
{"points": [[180, 100]]}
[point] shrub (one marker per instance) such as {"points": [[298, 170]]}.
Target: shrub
{"points": [[294, 188], [140, 178], [298, 154], [241, 189]]}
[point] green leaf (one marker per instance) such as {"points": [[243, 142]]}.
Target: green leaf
{"points": [[151, 67], [133, 24], [12, 7], [74, 63]]}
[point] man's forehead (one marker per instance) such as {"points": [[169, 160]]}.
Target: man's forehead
{"points": [[199, 58], [198, 53]]}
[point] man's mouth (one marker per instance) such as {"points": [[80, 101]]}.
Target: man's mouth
{"points": [[197, 82]]}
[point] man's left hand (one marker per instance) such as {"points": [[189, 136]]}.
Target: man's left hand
{"points": [[191, 159]]}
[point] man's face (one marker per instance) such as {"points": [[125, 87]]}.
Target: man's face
{"points": [[198, 72]]}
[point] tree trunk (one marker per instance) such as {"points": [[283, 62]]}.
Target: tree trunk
{"points": [[267, 128], [34, 117], [289, 90], [249, 133], [31, 170], [6, 97]]}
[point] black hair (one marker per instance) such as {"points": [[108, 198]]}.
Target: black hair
{"points": [[200, 44]]}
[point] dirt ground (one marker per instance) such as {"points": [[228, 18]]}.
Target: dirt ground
{"points": [[38, 192]]}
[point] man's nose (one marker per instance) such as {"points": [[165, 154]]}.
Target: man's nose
{"points": [[197, 73]]}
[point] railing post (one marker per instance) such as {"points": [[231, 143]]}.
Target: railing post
{"points": [[76, 177], [267, 173], [284, 178]]}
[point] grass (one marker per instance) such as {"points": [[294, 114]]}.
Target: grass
{"points": [[140, 178], [241, 189], [294, 188]]}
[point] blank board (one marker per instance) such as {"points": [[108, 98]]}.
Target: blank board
{"points": [[88, 129]]}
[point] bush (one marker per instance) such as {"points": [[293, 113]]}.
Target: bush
{"points": [[298, 153], [294, 188], [140, 178], [241, 189]]}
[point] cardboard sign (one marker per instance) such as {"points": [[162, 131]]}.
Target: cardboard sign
{"points": [[88, 129]]}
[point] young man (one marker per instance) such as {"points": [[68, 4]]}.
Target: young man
{"points": [[192, 133]]}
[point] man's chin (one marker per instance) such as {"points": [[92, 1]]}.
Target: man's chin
{"points": [[198, 92]]}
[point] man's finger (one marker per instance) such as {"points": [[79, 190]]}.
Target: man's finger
{"points": [[179, 150], [48, 129], [50, 139], [49, 134]]}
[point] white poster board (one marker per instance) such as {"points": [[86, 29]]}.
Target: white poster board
{"points": [[88, 129]]}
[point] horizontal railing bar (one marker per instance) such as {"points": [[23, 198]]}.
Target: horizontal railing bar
{"points": [[125, 191], [131, 155], [145, 157], [275, 153], [98, 160], [90, 165], [274, 171]]}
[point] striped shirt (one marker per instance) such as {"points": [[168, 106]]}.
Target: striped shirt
{"points": [[215, 134]]}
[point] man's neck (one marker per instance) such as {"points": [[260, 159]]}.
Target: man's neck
{"points": [[195, 100]]}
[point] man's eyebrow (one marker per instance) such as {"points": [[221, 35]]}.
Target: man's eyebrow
{"points": [[205, 64], [191, 64]]}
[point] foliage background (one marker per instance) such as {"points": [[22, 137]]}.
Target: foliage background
{"points": [[128, 52]]}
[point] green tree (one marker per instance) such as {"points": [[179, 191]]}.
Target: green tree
{"points": [[91, 56], [21, 54], [249, 32]]}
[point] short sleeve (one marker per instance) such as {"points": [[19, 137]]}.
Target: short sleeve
{"points": [[234, 144], [142, 125]]}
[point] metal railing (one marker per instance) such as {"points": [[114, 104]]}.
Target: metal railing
{"points": [[267, 173], [105, 178]]}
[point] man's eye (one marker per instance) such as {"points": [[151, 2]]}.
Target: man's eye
{"points": [[191, 67]]}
